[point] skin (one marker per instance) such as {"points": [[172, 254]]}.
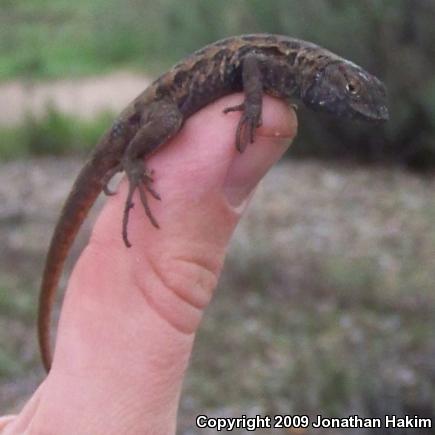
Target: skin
{"points": [[257, 64], [120, 361]]}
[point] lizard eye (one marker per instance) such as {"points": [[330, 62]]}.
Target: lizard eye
{"points": [[351, 88]]}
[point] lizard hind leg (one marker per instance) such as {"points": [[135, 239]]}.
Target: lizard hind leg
{"points": [[163, 120], [251, 108]]}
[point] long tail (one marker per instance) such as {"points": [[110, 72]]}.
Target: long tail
{"points": [[86, 189]]}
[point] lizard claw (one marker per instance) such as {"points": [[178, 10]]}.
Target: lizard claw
{"points": [[245, 133], [147, 180], [238, 108], [249, 122], [139, 177]]}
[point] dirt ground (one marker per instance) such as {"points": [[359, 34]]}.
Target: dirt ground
{"points": [[83, 98]]}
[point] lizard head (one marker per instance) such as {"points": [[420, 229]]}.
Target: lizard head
{"points": [[345, 89]]}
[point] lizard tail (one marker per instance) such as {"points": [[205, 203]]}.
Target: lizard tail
{"points": [[85, 191]]}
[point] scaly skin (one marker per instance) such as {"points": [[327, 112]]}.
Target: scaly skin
{"points": [[283, 67]]}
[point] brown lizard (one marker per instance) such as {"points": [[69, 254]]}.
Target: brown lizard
{"points": [[280, 66]]}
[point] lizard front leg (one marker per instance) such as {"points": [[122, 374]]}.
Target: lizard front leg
{"points": [[161, 121], [252, 105]]}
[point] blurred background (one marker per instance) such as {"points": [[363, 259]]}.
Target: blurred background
{"points": [[333, 267]]}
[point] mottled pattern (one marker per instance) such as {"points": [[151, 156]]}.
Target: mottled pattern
{"points": [[290, 67]]}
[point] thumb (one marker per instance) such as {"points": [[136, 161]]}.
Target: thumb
{"points": [[130, 314]]}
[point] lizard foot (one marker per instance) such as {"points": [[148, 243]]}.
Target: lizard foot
{"points": [[140, 178], [249, 121]]}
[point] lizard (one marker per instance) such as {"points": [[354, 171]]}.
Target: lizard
{"points": [[283, 67]]}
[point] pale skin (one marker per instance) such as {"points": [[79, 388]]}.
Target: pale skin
{"points": [[130, 316]]}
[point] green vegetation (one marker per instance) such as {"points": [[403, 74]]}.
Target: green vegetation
{"points": [[55, 133], [20, 306], [16, 313], [57, 38]]}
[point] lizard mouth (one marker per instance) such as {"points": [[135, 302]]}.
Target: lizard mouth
{"points": [[378, 115], [383, 113]]}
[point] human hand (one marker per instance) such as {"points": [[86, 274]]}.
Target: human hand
{"points": [[130, 315]]}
